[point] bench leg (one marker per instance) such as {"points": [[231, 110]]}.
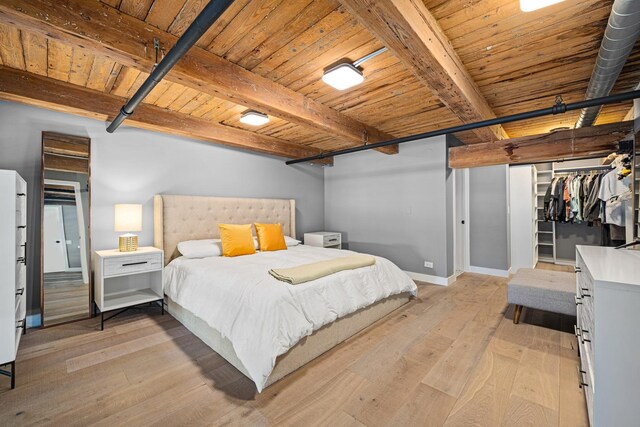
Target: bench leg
{"points": [[516, 314]]}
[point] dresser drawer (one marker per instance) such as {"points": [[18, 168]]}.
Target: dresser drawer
{"points": [[132, 264]]}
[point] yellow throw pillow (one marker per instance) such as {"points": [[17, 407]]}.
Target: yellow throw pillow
{"points": [[236, 239], [270, 237]]}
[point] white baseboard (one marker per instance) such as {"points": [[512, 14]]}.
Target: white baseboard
{"points": [[33, 320], [489, 271], [436, 280]]}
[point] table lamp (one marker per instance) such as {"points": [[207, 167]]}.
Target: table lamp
{"points": [[128, 218]]}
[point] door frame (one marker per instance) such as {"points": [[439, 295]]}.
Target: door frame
{"points": [[461, 198]]}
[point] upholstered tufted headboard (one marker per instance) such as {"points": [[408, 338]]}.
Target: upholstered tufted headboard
{"points": [[180, 218]]}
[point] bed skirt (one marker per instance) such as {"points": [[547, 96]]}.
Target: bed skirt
{"points": [[306, 349]]}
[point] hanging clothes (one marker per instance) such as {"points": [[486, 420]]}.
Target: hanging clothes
{"points": [[574, 198], [609, 188]]}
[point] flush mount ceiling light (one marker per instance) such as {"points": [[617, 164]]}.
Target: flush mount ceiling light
{"points": [[343, 76], [254, 118], [346, 75], [531, 5]]}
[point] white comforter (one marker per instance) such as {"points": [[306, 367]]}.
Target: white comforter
{"points": [[263, 317]]}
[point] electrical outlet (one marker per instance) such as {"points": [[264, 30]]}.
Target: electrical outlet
{"points": [[428, 264]]}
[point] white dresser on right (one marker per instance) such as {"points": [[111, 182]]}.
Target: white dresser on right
{"points": [[13, 267], [608, 331]]}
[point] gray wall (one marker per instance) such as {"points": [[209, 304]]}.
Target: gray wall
{"points": [[132, 165], [488, 217], [393, 206]]}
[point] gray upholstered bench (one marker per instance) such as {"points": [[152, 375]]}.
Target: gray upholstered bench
{"points": [[553, 291]]}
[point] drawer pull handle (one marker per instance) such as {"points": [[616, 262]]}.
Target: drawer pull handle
{"points": [[20, 291], [577, 269], [21, 194], [576, 331], [22, 226], [135, 263], [21, 260], [581, 382], [585, 295], [21, 324], [578, 302]]}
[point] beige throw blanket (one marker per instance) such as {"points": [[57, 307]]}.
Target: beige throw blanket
{"points": [[315, 270]]}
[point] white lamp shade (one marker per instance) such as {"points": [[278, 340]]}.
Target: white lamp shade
{"points": [[128, 218], [531, 5], [343, 76]]}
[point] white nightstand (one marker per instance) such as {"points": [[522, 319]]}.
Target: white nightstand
{"points": [[126, 279], [324, 239]]}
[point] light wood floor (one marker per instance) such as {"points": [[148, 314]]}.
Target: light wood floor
{"points": [[450, 357]]}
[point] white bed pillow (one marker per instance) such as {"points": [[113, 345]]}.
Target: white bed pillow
{"points": [[290, 241], [200, 248]]}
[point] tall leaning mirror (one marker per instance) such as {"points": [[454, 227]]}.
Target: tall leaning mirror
{"points": [[66, 246]]}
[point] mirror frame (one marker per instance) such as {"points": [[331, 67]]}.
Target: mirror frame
{"points": [[70, 139]]}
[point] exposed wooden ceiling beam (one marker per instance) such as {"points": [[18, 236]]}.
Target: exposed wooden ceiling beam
{"points": [[129, 41], [409, 30], [561, 145], [32, 89]]}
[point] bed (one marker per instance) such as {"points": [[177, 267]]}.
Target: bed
{"points": [[218, 298]]}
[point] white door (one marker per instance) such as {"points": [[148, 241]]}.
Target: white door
{"points": [[55, 254], [461, 256]]}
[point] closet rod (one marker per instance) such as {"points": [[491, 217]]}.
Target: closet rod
{"points": [[585, 168], [558, 108]]}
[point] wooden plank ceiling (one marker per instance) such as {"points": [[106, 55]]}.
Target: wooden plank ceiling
{"points": [[519, 61]]}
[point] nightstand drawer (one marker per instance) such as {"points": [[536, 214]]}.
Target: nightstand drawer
{"points": [[332, 239], [132, 264]]}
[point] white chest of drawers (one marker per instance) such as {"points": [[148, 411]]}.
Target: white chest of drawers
{"points": [[608, 330], [13, 265]]}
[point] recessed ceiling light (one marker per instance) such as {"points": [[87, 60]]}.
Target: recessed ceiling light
{"points": [[254, 118], [343, 76], [531, 5]]}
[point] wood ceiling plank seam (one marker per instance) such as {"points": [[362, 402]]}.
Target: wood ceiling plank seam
{"points": [[277, 19], [137, 83], [11, 49], [81, 65], [185, 97], [187, 14], [528, 45], [170, 95], [59, 62], [136, 8], [245, 22], [224, 111], [200, 99], [126, 78], [301, 77], [221, 23], [580, 66], [157, 91], [206, 107], [111, 81], [113, 3], [100, 73], [523, 23], [288, 32], [32, 89], [164, 12], [308, 37], [546, 50], [311, 52], [35, 49]]}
